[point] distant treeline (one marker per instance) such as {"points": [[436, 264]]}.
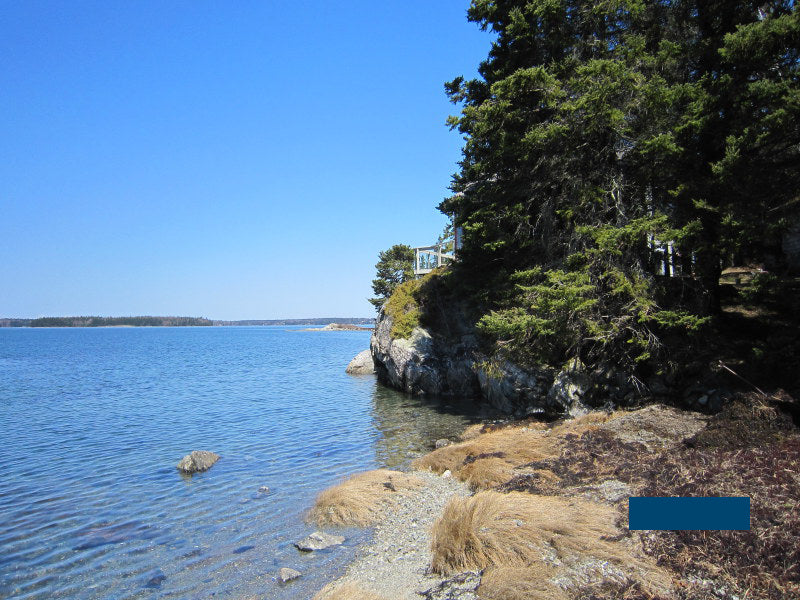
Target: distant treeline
{"points": [[119, 322], [317, 321], [15, 322], [171, 322]]}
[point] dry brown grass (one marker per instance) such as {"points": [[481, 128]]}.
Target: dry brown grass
{"points": [[520, 583], [486, 460], [472, 432], [361, 499], [527, 540], [345, 591]]}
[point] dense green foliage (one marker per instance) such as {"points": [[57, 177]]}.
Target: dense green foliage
{"points": [[599, 133], [395, 266], [119, 322], [403, 308]]}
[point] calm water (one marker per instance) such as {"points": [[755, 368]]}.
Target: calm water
{"points": [[93, 421]]}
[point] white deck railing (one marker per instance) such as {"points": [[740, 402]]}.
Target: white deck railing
{"points": [[428, 258]]}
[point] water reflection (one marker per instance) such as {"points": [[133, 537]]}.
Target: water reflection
{"points": [[409, 426]]}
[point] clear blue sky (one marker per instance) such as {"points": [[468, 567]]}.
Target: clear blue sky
{"points": [[233, 160]]}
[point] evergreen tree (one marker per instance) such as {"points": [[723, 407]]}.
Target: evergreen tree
{"points": [[597, 132], [396, 265]]}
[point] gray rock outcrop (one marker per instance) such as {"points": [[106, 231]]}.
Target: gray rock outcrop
{"points": [[422, 365], [513, 390], [319, 541], [197, 461], [427, 364], [362, 364]]}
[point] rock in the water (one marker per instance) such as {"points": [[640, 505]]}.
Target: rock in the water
{"points": [[362, 364], [263, 490], [198, 460], [319, 541], [442, 443], [285, 574], [460, 587], [156, 580]]}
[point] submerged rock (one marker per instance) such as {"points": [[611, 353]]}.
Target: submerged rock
{"points": [[362, 364], [197, 461], [319, 541], [285, 574], [156, 580]]}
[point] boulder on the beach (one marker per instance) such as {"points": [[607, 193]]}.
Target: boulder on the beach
{"points": [[319, 541], [197, 461], [286, 574], [441, 443], [362, 364]]}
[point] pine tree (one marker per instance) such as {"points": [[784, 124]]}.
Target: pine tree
{"points": [[396, 266]]}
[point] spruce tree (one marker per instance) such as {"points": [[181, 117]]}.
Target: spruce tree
{"points": [[597, 133]]}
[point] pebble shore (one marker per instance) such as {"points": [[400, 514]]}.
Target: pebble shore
{"points": [[395, 562]]}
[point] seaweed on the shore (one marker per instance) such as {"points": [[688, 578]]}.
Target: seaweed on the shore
{"points": [[765, 559], [749, 449], [594, 456], [483, 455], [747, 421], [615, 590]]}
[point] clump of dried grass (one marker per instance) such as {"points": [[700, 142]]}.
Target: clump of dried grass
{"points": [[361, 499], [485, 460], [472, 432], [526, 540], [520, 583], [345, 591], [514, 583]]}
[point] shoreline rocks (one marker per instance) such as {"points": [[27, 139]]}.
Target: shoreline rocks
{"points": [[426, 364], [197, 461], [339, 327], [286, 574], [319, 540], [362, 364]]}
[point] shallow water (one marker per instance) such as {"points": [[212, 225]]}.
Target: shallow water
{"points": [[93, 421]]}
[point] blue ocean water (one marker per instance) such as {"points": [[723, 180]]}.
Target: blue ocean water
{"points": [[93, 421]]}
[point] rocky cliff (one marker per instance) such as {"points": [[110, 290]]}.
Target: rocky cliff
{"points": [[430, 364]]}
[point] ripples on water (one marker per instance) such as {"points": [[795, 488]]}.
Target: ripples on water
{"points": [[93, 422]]}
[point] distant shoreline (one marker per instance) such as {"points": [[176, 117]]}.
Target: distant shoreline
{"points": [[339, 327], [150, 321]]}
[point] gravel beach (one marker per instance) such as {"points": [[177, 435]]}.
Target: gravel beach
{"points": [[394, 563]]}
